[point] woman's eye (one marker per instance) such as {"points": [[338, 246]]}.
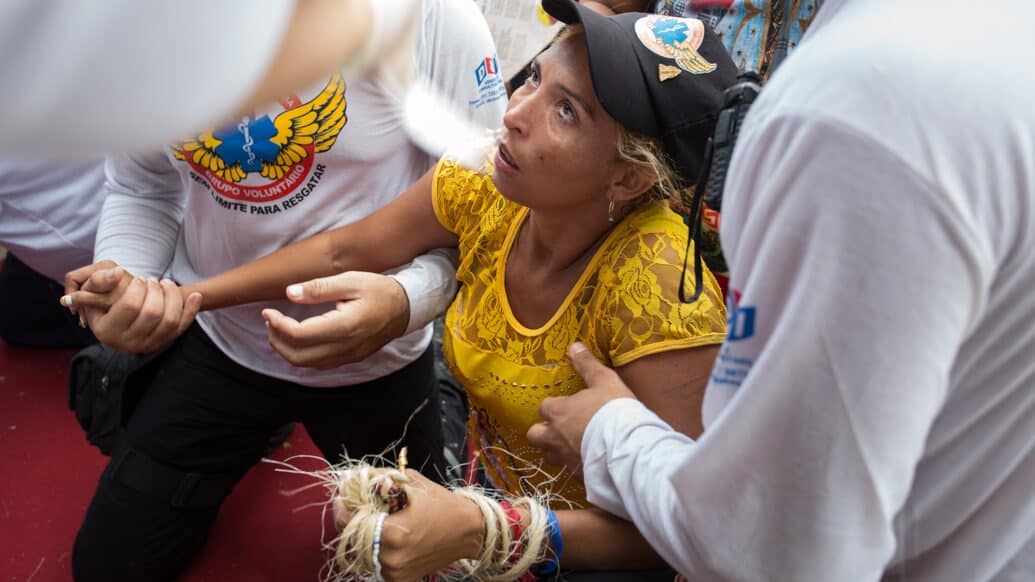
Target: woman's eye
{"points": [[533, 76], [567, 112]]}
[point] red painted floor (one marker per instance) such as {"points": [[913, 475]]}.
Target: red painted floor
{"points": [[48, 472]]}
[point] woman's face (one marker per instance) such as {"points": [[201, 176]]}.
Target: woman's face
{"points": [[559, 148]]}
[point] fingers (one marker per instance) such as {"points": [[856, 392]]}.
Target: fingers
{"points": [[104, 280], [77, 300], [341, 287], [320, 357], [109, 327], [74, 280], [283, 336], [547, 408], [589, 367], [538, 435], [168, 325], [342, 514], [90, 291], [321, 342], [135, 337], [190, 311]]}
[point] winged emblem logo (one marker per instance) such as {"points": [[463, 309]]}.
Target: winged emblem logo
{"points": [[274, 147], [677, 39]]}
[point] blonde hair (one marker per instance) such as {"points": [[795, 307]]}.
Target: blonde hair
{"points": [[644, 151]]}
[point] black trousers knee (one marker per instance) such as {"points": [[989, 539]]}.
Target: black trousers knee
{"points": [[202, 413]]}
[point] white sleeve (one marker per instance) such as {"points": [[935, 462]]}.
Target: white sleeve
{"points": [[455, 41], [853, 284], [458, 54], [430, 284], [97, 75], [142, 214]]}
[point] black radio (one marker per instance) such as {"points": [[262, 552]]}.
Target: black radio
{"points": [[735, 104]]}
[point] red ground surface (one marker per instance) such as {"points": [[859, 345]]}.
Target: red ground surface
{"points": [[48, 472]]}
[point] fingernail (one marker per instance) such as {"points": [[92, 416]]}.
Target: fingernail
{"points": [[166, 282], [294, 290], [577, 348], [66, 300], [82, 322]]}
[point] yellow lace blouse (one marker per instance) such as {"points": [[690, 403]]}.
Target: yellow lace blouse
{"points": [[623, 307]]}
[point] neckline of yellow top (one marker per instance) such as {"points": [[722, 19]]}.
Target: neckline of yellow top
{"points": [[501, 276]]}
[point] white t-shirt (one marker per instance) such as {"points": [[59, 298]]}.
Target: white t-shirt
{"points": [[326, 157], [80, 77], [872, 413], [49, 211]]}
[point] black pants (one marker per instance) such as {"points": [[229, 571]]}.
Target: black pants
{"points": [[30, 314], [201, 412]]}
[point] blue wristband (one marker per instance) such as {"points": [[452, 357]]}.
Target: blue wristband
{"points": [[549, 567]]}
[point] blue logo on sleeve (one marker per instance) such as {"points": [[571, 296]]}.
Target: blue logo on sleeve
{"points": [[489, 80], [488, 67], [741, 321], [730, 368]]}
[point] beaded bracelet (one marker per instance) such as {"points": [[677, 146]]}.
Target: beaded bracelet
{"points": [[376, 554], [549, 567]]}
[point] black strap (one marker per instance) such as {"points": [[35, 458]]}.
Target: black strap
{"points": [[181, 489], [694, 225]]}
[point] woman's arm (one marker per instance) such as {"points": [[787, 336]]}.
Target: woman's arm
{"points": [[388, 238], [672, 385], [415, 542], [596, 540]]}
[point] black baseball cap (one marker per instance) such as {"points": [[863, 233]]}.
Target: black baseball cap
{"points": [[657, 75]]}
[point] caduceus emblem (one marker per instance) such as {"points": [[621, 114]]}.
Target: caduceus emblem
{"points": [[677, 39]]}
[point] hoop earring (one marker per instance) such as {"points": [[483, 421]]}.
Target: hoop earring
{"points": [[611, 211]]}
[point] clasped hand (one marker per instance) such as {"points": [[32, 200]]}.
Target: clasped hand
{"points": [[435, 529], [131, 314]]}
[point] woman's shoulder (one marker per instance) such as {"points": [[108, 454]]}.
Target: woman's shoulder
{"points": [[462, 196], [451, 173], [464, 187], [651, 229]]}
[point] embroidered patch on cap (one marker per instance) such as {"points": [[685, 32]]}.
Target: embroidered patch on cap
{"points": [[666, 72], [674, 38]]}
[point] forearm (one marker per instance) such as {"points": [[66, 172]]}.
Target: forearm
{"points": [[597, 540], [267, 278], [138, 233], [592, 539], [390, 237]]}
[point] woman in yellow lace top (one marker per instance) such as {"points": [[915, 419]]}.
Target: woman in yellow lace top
{"points": [[568, 236], [621, 301]]}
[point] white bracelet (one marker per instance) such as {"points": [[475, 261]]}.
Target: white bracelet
{"points": [[378, 526]]}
